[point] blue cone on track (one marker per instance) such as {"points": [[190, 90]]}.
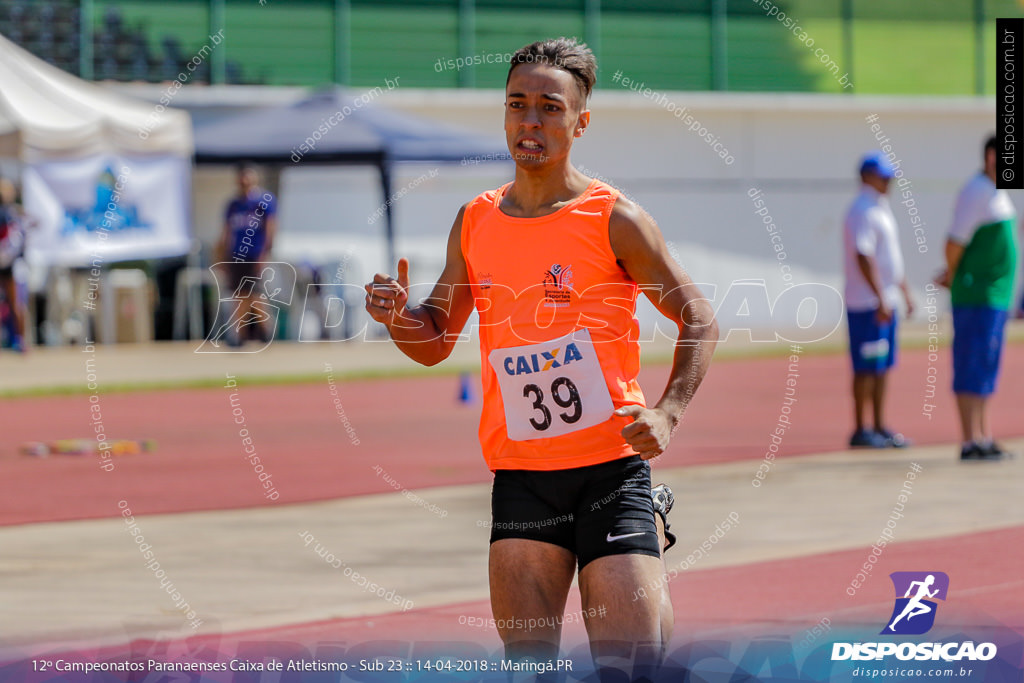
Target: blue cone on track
{"points": [[465, 391]]}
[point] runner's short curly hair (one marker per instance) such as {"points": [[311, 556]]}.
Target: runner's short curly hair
{"points": [[564, 53]]}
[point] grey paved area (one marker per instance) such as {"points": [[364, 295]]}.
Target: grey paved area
{"points": [[83, 582]]}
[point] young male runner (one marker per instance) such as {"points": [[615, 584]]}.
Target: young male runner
{"points": [[553, 263]]}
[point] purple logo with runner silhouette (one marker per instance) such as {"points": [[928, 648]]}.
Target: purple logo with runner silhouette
{"points": [[916, 593]]}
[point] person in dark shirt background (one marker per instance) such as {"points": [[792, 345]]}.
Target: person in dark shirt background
{"points": [[250, 223]]}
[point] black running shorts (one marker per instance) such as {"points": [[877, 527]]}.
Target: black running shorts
{"points": [[592, 511]]}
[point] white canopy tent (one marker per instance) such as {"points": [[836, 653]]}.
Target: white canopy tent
{"points": [[105, 177], [47, 114]]}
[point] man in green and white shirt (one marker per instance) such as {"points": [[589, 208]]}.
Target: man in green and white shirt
{"points": [[981, 262]]}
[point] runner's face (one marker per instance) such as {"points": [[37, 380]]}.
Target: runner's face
{"points": [[542, 114]]}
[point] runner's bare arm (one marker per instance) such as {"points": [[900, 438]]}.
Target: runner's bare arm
{"points": [[640, 249], [426, 333]]}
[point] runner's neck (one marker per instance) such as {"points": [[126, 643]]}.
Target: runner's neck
{"points": [[532, 195]]}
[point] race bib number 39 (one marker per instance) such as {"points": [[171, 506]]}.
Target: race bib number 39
{"points": [[551, 388]]}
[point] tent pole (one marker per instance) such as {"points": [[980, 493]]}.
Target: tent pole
{"points": [[194, 294], [108, 311], [389, 217], [194, 264]]}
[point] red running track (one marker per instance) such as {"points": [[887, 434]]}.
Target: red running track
{"points": [[417, 432], [782, 597], [787, 596]]}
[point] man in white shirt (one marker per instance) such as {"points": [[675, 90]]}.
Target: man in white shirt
{"points": [[875, 283]]}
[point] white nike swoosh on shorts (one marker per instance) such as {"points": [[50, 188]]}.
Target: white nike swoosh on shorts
{"points": [[612, 539]]}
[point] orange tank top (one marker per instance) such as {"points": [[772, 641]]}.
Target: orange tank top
{"points": [[558, 332]]}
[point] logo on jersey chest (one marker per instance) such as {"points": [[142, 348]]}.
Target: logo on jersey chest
{"points": [[541, 362], [558, 286]]}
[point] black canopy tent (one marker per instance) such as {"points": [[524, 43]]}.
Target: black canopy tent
{"points": [[351, 132]]}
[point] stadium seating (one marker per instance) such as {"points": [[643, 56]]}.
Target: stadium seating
{"points": [[665, 44], [124, 49]]}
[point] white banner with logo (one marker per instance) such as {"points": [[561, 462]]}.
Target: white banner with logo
{"points": [[107, 208]]}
